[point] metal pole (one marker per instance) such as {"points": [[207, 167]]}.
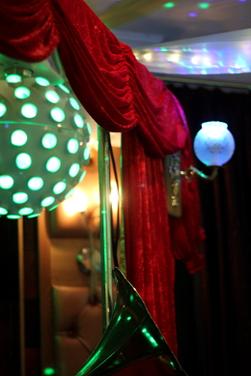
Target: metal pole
{"points": [[105, 223], [105, 211], [122, 220]]}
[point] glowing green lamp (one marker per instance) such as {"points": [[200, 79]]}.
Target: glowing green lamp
{"points": [[43, 138]]}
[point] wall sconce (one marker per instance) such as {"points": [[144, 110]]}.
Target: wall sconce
{"points": [[81, 209], [43, 136], [213, 145]]}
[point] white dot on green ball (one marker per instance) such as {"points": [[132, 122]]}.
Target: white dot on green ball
{"points": [[74, 103], [20, 197], [22, 92], [29, 110], [35, 183], [52, 96], [6, 182], [86, 154], [3, 109], [47, 201], [72, 146], [49, 140], [64, 88], [42, 81], [57, 114], [74, 170], [59, 187], [23, 161], [18, 138], [13, 78], [25, 211], [89, 128], [33, 215], [79, 121], [3, 211], [53, 164], [82, 176]]}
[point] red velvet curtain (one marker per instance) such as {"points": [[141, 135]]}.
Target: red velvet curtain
{"points": [[27, 29], [118, 91], [121, 95], [149, 255]]}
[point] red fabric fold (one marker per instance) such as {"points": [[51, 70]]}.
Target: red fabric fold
{"points": [[126, 93], [150, 263], [27, 29]]}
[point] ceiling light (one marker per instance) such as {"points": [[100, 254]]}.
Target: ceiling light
{"points": [[192, 14], [147, 56], [203, 5], [169, 5], [174, 57]]}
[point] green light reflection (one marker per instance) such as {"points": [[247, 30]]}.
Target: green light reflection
{"points": [[149, 337]]}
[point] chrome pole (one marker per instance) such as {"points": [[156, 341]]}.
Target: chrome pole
{"points": [[105, 223]]}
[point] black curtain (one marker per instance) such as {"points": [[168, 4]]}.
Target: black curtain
{"points": [[214, 307]]}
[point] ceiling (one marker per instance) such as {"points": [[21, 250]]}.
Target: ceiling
{"points": [[185, 39]]}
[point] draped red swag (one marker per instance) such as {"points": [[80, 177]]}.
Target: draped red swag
{"points": [[121, 95]]}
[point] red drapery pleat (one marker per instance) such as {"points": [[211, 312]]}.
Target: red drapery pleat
{"points": [[148, 247], [123, 96], [27, 29], [104, 73]]}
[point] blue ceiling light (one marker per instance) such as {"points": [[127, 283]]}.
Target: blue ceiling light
{"points": [[192, 14], [43, 138]]}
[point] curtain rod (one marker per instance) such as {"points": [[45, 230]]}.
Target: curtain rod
{"points": [[236, 86]]}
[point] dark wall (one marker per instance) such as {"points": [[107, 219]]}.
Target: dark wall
{"points": [[214, 307], [10, 333], [9, 306], [31, 298]]}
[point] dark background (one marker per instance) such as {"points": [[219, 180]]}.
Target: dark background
{"points": [[214, 306]]}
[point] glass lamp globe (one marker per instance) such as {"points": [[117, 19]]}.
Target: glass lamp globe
{"points": [[43, 140], [214, 144]]}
